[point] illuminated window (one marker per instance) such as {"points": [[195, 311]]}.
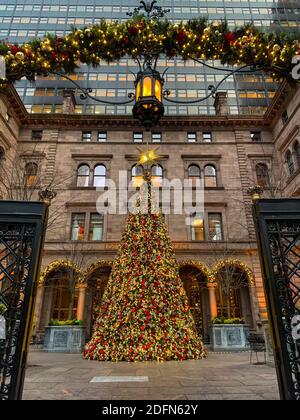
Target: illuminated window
{"points": [[96, 227], [137, 175], [157, 175], [78, 226], [215, 226], [65, 300], [83, 176], [210, 176], [31, 171], [197, 227], [99, 176]]}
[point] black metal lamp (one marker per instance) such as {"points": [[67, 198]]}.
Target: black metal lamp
{"points": [[148, 108]]}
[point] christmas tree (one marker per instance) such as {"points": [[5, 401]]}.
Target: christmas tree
{"points": [[144, 313]]}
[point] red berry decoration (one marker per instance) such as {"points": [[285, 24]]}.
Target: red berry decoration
{"points": [[230, 37]]}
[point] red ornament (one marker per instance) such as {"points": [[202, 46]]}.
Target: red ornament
{"points": [[14, 49], [133, 30], [229, 37], [181, 36]]}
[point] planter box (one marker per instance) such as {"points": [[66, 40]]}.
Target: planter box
{"points": [[228, 337], [64, 339]]}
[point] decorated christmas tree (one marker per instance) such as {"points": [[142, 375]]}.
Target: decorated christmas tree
{"points": [[144, 313]]}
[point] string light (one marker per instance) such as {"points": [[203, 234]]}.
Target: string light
{"points": [[114, 40]]}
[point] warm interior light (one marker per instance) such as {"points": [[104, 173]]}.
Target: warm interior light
{"points": [[158, 90], [198, 223], [147, 86]]}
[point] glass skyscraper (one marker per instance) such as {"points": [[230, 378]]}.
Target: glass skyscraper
{"points": [[22, 20]]}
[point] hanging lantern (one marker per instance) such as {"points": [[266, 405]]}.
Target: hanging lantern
{"points": [[148, 108]]}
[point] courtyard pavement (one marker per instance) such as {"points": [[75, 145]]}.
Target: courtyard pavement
{"points": [[219, 377]]}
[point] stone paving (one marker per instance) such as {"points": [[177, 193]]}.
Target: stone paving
{"points": [[219, 377]]}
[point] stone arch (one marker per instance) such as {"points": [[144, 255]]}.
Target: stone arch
{"points": [[59, 292], [237, 263], [61, 264], [96, 279], [196, 277]]}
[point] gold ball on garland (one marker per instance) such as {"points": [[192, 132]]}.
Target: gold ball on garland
{"points": [[20, 56], [206, 31], [245, 38], [276, 47]]}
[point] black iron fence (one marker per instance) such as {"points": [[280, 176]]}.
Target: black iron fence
{"points": [[278, 233], [22, 227]]}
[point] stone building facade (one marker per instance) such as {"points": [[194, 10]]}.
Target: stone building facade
{"points": [[76, 155]]}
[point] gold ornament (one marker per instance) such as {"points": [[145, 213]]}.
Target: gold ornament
{"points": [[20, 56]]}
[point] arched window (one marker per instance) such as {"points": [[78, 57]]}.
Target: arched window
{"points": [[297, 152], [262, 174], [99, 176], [194, 173], [83, 176], [290, 162], [210, 176], [157, 175], [137, 172], [31, 171]]}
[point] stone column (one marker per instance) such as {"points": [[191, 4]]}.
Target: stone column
{"points": [[81, 303], [212, 299], [38, 307], [69, 101], [221, 103]]}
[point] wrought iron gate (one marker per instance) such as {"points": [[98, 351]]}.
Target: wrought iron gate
{"points": [[22, 226], [278, 232]]}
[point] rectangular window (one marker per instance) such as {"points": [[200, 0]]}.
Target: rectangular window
{"points": [[156, 137], [138, 137], [96, 227], [215, 226], [102, 136], [78, 226], [197, 226], [284, 117], [36, 135], [86, 136], [192, 137], [207, 137], [255, 135]]}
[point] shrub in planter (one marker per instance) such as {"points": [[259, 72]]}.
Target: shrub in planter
{"points": [[58, 323], [223, 320]]}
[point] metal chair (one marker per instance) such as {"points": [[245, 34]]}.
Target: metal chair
{"points": [[257, 344]]}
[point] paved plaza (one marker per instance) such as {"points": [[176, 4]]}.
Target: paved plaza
{"points": [[219, 377]]}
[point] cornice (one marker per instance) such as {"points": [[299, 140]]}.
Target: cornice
{"points": [[83, 121]]}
